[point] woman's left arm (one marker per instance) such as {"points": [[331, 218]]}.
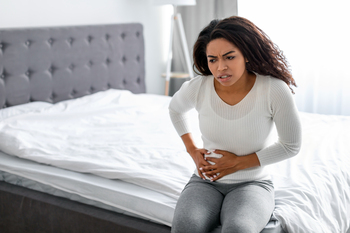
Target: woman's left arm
{"points": [[286, 117]]}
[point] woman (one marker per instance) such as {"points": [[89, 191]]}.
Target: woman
{"points": [[243, 91]]}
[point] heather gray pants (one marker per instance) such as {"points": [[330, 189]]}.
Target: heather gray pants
{"points": [[242, 208]]}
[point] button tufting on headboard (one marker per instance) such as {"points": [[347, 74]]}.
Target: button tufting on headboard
{"points": [[89, 39], [71, 67], [28, 73], [50, 41], [59, 63], [70, 41]]}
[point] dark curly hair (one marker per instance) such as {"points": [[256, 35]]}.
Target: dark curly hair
{"points": [[264, 57]]}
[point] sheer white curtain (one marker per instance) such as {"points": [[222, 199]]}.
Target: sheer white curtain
{"points": [[315, 37]]}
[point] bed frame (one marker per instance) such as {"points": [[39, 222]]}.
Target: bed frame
{"points": [[59, 63]]}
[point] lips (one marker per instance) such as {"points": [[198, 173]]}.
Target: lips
{"points": [[224, 77]]}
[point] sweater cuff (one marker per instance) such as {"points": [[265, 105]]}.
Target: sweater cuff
{"points": [[272, 154]]}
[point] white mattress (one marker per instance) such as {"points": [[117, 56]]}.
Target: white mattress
{"points": [[312, 190], [115, 195]]}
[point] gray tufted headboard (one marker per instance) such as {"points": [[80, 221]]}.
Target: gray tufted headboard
{"points": [[60, 63]]}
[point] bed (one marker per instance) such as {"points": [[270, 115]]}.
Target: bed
{"points": [[84, 149]]}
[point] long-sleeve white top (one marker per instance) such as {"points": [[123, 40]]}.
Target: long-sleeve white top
{"points": [[245, 127]]}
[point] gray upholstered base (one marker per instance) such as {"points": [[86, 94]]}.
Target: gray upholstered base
{"points": [[25, 210]]}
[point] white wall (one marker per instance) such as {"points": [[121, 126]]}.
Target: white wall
{"points": [[36, 13]]}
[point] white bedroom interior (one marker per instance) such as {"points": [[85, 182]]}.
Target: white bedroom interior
{"points": [[312, 189], [313, 35]]}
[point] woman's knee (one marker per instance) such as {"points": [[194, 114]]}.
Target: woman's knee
{"points": [[240, 227], [190, 224], [195, 219]]}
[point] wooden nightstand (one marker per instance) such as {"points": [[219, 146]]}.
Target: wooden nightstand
{"points": [[176, 80]]}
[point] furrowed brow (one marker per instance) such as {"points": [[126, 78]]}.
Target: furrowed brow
{"points": [[228, 53], [222, 55]]}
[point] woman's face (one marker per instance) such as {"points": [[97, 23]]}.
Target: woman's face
{"points": [[225, 61]]}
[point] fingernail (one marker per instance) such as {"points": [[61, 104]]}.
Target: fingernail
{"points": [[201, 168]]}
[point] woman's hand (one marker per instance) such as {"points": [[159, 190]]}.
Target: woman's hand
{"points": [[198, 156], [227, 164]]}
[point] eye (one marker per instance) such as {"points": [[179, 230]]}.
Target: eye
{"points": [[212, 60], [230, 57]]}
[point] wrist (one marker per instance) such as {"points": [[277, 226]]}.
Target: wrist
{"points": [[191, 149], [249, 161]]}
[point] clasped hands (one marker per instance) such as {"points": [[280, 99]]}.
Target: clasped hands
{"points": [[227, 164]]}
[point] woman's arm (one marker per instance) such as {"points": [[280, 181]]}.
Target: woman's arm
{"points": [[183, 101], [286, 118], [196, 153]]}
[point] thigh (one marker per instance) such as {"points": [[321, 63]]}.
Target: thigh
{"points": [[198, 208], [248, 208]]}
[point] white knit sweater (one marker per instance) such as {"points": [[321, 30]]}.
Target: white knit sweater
{"points": [[243, 128]]}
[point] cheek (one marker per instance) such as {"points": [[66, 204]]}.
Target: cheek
{"points": [[239, 65], [211, 67]]}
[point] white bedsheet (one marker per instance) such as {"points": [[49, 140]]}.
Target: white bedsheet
{"points": [[313, 188], [118, 135], [113, 134]]}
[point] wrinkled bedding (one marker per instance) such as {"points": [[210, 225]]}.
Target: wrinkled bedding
{"points": [[118, 135]]}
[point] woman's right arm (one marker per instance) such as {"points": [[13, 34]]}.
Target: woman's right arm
{"points": [[196, 153], [183, 101]]}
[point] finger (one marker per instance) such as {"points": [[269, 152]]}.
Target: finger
{"points": [[216, 177], [219, 175], [212, 159], [205, 163], [201, 174], [209, 167], [219, 151], [205, 151], [210, 173], [212, 177]]}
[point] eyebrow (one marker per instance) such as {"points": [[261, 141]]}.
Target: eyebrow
{"points": [[224, 54]]}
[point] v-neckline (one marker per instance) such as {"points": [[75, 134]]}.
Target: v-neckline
{"points": [[242, 100]]}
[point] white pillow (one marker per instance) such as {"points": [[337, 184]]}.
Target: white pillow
{"points": [[22, 108]]}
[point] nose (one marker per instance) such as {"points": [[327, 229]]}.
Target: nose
{"points": [[221, 65]]}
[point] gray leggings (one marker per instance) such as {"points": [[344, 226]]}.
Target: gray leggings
{"points": [[204, 205]]}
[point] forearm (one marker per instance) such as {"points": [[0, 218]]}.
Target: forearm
{"points": [[249, 161], [189, 142]]}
